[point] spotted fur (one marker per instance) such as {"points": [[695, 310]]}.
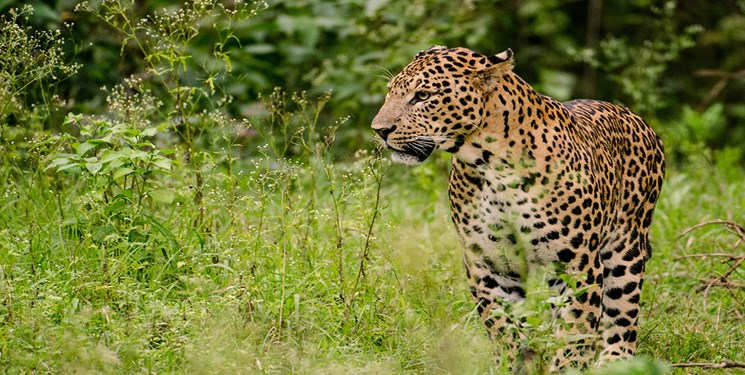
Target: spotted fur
{"points": [[534, 182]]}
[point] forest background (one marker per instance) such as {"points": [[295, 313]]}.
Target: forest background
{"points": [[194, 187]]}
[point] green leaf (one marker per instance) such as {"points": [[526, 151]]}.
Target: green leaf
{"points": [[165, 231], [162, 196], [137, 154], [94, 168], [110, 155], [125, 195], [113, 165], [167, 151], [149, 132], [107, 138], [84, 147], [162, 163], [57, 162], [65, 167], [121, 172], [73, 118], [117, 205], [533, 321]]}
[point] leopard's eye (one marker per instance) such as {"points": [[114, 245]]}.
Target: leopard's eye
{"points": [[421, 96]]}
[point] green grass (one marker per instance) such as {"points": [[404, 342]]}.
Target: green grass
{"points": [[679, 324], [146, 240], [271, 282]]}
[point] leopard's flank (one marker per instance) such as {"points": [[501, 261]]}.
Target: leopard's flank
{"points": [[568, 185]]}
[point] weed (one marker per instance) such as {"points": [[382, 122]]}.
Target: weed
{"points": [[33, 64], [169, 236]]}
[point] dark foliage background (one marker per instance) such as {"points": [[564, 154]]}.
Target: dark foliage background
{"points": [[670, 61]]}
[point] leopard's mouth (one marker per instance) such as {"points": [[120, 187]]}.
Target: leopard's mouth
{"points": [[413, 152]]}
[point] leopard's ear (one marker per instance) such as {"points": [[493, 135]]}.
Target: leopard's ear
{"points": [[497, 66], [502, 57], [428, 50]]}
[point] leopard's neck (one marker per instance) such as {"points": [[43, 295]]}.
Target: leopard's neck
{"points": [[520, 127]]}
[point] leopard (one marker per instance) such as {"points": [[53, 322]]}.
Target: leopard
{"points": [[535, 184]]}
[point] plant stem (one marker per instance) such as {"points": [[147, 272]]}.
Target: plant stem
{"points": [[339, 241], [366, 249]]}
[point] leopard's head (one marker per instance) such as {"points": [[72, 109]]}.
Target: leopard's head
{"points": [[437, 101]]}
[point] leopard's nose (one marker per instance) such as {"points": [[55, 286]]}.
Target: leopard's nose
{"points": [[384, 132]]}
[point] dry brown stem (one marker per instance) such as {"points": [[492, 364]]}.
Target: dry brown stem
{"points": [[737, 260], [723, 364]]}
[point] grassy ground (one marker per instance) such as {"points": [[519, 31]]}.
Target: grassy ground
{"points": [[291, 269], [678, 323]]}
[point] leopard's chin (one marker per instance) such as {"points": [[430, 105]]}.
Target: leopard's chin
{"points": [[404, 158]]}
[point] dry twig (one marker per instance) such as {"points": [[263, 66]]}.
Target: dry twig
{"points": [[723, 255], [737, 260], [723, 364], [717, 282], [733, 228]]}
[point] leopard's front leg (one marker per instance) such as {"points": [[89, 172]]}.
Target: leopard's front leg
{"points": [[577, 328], [580, 315], [493, 292]]}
